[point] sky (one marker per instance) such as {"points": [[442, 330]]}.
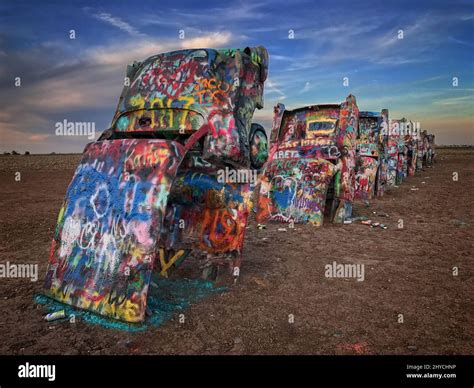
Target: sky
{"points": [[428, 76]]}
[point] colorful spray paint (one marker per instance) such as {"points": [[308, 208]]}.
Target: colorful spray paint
{"points": [[372, 151], [425, 150], [147, 192], [311, 149], [397, 164], [104, 246], [421, 150], [411, 142]]}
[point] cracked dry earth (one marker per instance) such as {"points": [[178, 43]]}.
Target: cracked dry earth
{"points": [[407, 271]]}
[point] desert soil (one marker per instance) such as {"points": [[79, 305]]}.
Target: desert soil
{"points": [[408, 271]]}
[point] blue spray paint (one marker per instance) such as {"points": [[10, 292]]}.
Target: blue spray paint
{"points": [[169, 297]]}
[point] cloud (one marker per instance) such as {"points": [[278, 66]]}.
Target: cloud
{"points": [[306, 87], [82, 79], [118, 23], [59, 87], [122, 53], [457, 101], [216, 39], [239, 11], [272, 88], [11, 136]]}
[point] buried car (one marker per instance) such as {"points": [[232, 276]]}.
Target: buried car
{"points": [[311, 161], [152, 188], [372, 154], [397, 164], [411, 143], [425, 144], [430, 157], [422, 144]]}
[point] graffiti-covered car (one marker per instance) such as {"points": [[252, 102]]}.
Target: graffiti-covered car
{"points": [[311, 161], [397, 164], [171, 175], [372, 154], [422, 144], [426, 151], [430, 157], [411, 143]]}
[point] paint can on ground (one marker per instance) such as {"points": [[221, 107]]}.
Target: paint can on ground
{"points": [[55, 316]]}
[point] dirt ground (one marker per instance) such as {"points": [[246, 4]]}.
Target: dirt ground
{"points": [[407, 271]]}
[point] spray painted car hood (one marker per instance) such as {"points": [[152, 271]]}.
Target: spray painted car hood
{"points": [[187, 91], [109, 225], [309, 132]]}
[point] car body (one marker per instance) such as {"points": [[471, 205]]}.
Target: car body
{"points": [[430, 158], [410, 136], [150, 189], [312, 151], [422, 144], [372, 154], [397, 162]]}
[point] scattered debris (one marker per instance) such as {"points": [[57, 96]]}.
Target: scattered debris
{"points": [[61, 314], [374, 224], [261, 226], [282, 229], [360, 218]]}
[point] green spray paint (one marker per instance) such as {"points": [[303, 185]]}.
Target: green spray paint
{"points": [[337, 184]]}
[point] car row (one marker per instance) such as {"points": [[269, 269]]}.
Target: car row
{"points": [[324, 157], [149, 192]]}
